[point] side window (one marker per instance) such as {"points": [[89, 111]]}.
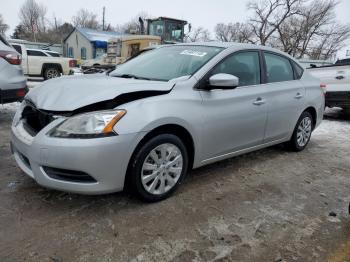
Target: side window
{"points": [[83, 53], [298, 70], [278, 68], [35, 53], [17, 48], [70, 52], [244, 65]]}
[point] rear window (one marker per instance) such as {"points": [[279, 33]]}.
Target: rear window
{"points": [[298, 70], [278, 68], [35, 53], [18, 48]]}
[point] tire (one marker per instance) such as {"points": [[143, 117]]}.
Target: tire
{"points": [[51, 72], [153, 178], [300, 139]]}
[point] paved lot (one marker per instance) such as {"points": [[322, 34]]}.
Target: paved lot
{"points": [[270, 205]]}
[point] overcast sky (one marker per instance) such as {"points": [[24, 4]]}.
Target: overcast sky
{"points": [[206, 13]]}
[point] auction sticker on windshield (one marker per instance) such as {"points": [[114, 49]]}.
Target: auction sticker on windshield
{"points": [[193, 53]]}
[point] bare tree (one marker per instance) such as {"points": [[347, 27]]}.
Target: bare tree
{"points": [[198, 34], [133, 25], [237, 32], [313, 32], [269, 15], [32, 17], [3, 27], [85, 18], [329, 42]]}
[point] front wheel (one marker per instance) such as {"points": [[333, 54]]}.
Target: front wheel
{"points": [[302, 132], [158, 167]]}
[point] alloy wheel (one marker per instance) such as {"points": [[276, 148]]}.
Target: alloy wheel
{"points": [[304, 131], [51, 73], [162, 169]]}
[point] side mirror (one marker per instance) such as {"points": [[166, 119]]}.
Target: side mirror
{"points": [[223, 81]]}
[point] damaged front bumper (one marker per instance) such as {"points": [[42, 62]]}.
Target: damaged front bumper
{"points": [[86, 166]]}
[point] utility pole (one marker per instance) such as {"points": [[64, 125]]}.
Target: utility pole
{"points": [[55, 22], [103, 18]]}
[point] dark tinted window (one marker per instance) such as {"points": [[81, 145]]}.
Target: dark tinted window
{"points": [[18, 48], [343, 61], [278, 68], [35, 53], [298, 70], [244, 65]]}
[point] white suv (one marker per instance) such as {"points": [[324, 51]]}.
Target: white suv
{"points": [[12, 82]]}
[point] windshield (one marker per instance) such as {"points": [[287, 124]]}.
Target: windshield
{"points": [[167, 63]]}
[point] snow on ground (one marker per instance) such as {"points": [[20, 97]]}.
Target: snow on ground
{"points": [[9, 108], [331, 127]]}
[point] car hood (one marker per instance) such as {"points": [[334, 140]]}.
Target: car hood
{"points": [[73, 92]]}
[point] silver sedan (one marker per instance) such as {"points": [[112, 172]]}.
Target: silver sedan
{"points": [[171, 109]]}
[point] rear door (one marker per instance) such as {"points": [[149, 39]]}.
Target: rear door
{"points": [[36, 59], [285, 96], [235, 118]]}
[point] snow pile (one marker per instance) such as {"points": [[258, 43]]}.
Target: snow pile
{"points": [[334, 128], [9, 108]]}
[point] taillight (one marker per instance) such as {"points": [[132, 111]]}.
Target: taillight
{"points": [[12, 57], [21, 92], [72, 63], [323, 87]]}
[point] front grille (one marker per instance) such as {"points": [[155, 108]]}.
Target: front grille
{"points": [[68, 175], [34, 120]]}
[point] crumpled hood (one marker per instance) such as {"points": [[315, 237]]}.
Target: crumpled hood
{"points": [[74, 92]]}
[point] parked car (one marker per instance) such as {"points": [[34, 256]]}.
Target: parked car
{"points": [[12, 82], [337, 79], [158, 115], [40, 63], [345, 61]]}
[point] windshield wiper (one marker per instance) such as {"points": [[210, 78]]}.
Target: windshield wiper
{"points": [[132, 76]]}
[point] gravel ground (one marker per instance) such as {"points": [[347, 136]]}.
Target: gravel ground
{"points": [[269, 205]]}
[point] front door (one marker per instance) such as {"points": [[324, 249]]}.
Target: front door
{"points": [[235, 118]]}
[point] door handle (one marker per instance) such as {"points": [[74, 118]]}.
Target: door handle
{"points": [[298, 96], [259, 101], [339, 77]]}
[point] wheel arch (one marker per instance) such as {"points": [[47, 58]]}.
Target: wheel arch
{"points": [[48, 65], [313, 113], [174, 129]]}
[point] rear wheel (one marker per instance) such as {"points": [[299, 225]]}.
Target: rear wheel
{"points": [[302, 132], [158, 167], [51, 72]]}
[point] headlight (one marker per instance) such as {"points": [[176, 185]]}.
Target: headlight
{"points": [[89, 125]]}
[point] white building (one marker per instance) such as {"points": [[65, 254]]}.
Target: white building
{"points": [[86, 43]]}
